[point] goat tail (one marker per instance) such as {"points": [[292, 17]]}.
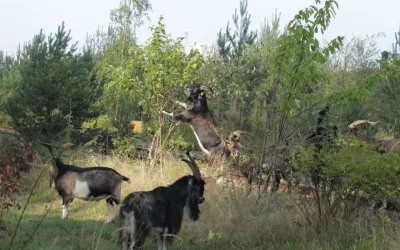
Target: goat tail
{"points": [[126, 179]]}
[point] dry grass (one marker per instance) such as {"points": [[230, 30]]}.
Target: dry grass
{"points": [[229, 218]]}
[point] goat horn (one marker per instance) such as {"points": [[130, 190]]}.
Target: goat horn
{"points": [[238, 134], [193, 166], [359, 122], [207, 88]]}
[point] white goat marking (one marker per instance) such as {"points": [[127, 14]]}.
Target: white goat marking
{"points": [[182, 104], [110, 212], [201, 145], [82, 190], [64, 212]]}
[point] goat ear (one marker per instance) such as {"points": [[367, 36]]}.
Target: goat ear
{"points": [[207, 88]]}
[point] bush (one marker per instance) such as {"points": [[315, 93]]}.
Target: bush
{"points": [[354, 174], [177, 142], [15, 158], [124, 145]]}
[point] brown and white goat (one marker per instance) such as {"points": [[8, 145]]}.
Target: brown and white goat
{"points": [[94, 183]]}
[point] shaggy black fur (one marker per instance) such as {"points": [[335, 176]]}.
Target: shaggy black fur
{"points": [[160, 210], [324, 135]]}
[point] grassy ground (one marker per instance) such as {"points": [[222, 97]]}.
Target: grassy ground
{"points": [[229, 219]]}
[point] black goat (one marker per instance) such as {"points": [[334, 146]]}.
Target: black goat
{"points": [[323, 136], [202, 121], [161, 210], [95, 183], [199, 117]]}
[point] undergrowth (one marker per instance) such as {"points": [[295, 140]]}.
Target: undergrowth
{"points": [[229, 218]]}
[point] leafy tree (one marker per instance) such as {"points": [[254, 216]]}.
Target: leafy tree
{"points": [[290, 89], [235, 76], [348, 69], [57, 89], [300, 82], [384, 101], [296, 71], [113, 50], [154, 73]]}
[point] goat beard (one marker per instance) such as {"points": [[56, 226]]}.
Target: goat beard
{"points": [[193, 207]]}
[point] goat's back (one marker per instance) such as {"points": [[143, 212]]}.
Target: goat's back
{"points": [[99, 180], [157, 208]]}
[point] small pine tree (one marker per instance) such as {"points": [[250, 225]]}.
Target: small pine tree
{"points": [[57, 88], [235, 43]]}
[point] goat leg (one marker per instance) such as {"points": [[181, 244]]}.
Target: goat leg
{"points": [[66, 201], [181, 104], [184, 116], [110, 210], [162, 240], [64, 211], [166, 113]]}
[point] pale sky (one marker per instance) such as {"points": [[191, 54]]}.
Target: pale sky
{"points": [[202, 19]]}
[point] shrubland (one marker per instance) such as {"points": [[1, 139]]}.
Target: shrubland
{"points": [[273, 83]]}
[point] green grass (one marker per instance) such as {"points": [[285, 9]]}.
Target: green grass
{"points": [[229, 219]]}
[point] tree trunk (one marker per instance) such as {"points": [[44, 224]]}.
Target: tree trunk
{"points": [[153, 150]]}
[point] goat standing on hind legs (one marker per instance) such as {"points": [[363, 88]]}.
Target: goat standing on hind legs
{"points": [[199, 117], [202, 122], [160, 211], [95, 183]]}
